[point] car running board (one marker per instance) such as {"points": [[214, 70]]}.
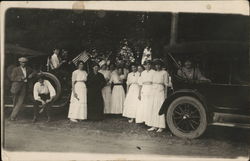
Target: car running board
{"points": [[231, 120]]}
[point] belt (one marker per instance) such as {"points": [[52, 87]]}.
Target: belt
{"points": [[118, 84], [147, 83]]}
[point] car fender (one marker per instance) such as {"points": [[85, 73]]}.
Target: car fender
{"points": [[183, 92]]}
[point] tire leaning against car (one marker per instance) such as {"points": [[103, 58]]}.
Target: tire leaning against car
{"points": [[196, 105], [55, 82]]}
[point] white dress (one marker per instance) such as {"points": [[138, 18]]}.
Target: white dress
{"points": [[139, 110], [106, 91], [160, 83], [78, 108], [146, 94], [118, 94], [131, 101]]}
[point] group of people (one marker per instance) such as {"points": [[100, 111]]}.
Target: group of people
{"points": [[137, 95], [102, 92]]}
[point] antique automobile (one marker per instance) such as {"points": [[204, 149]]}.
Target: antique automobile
{"points": [[37, 60], [224, 100]]}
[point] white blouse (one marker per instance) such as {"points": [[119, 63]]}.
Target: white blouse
{"points": [[161, 77], [132, 78], [147, 77], [79, 75], [115, 78]]}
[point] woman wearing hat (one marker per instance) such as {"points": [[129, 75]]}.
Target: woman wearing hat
{"points": [[131, 101], [95, 84], [106, 91], [20, 77], [78, 101], [145, 94], [160, 83]]}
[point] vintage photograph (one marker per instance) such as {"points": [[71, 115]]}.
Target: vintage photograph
{"points": [[133, 83]]}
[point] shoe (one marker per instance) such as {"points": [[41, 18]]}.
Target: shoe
{"points": [[131, 120], [73, 120], [159, 130], [152, 129]]}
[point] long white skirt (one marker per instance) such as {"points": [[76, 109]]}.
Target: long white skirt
{"points": [[106, 94], [139, 113], [78, 108], [131, 101], [117, 99], [157, 120], [146, 102]]}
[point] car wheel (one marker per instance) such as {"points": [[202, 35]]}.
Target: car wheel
{"points": [[186, 117]]}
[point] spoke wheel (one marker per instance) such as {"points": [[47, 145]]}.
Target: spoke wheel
{"points": [[186, 117]]}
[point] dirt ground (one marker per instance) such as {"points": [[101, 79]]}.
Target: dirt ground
{"points": [[114, 135]]}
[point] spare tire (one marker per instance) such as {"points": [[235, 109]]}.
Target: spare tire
{"points": [[55, 83]]}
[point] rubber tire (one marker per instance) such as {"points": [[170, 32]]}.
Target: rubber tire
{"points": [[55, 82], [203, 121]]}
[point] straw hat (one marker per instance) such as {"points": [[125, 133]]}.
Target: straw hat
{"points": [[103, 62], [23, 59]]}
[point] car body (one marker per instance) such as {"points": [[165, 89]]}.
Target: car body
{"points": [[225, 100]]}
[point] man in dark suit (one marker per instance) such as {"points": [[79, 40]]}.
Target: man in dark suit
{"points": [[20, 77]]}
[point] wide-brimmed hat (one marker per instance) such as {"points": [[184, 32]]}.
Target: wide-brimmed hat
{"points": [[23, 59]]}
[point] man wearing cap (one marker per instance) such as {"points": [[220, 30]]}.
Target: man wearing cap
{"points": [[44, 93], [20, 77]]}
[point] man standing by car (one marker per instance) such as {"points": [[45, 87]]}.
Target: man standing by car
{"points": [[44, 93], [20, 77]]}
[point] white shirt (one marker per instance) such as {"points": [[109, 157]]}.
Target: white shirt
{"points": [[79, 75], [54, 61], [115, 78], [24, 73], [46, 88]]}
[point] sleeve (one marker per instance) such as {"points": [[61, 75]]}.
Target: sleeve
{"points": [[128, 80], [35, 92], [85, 76], [74, 76], [52, 91], [15, 76], [166, 79], [111, 78]]}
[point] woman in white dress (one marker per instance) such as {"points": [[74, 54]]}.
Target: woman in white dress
{"points": [[131, 101], [145, 94], [78, 101], [106, 91], [118, 93], [160, 84]]}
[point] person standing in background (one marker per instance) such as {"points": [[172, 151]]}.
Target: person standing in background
{"points": [[95, 84], [78, 101], [55, 61], [131, 100], [106, 91], [20, 77]]}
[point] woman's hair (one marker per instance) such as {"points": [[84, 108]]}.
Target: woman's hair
{"points": [[80, 62], [133, 64], [95, 64], [140, 65]]}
